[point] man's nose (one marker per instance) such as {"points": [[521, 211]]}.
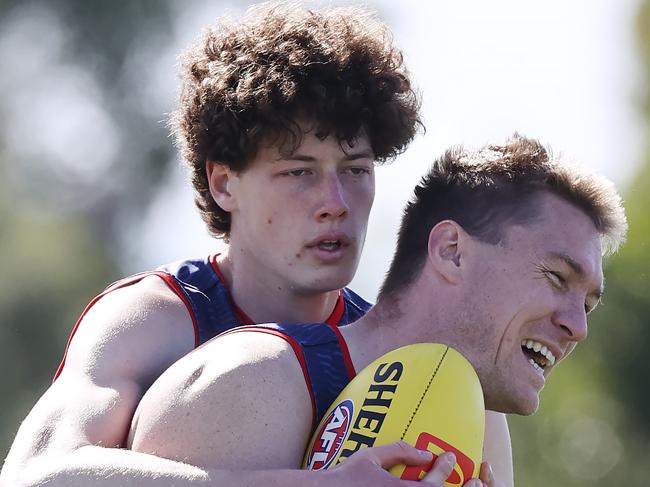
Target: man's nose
{"points": [[572, 319], [332, 204]]}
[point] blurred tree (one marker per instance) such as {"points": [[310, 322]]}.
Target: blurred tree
{"points": [[59, 230], [626, 315], [88, 81], [594, 424], [51, 266]]}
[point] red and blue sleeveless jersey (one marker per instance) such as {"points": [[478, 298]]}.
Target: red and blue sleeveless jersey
{"points": [[323, 356], [202, 288], [202, 285]]}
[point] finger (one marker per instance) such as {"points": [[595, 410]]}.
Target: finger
{"points": [[387, 456], [474, 483], [486, 474], [441, 469]]}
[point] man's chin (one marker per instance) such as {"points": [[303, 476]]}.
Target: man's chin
{"points": [[326, 280], [323, 284], [528, 411], [522, 406], [527, 406]]}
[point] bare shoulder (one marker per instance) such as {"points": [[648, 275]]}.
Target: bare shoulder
{"points": [[234, 395], [124, 341], [135, 331]]}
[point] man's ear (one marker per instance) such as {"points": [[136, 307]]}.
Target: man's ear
{"points": [[445, 248], [220, 179]]}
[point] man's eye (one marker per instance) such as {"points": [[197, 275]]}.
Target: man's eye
{"points": [[297, 172], [358, 171], [591, 305], [556, 279]]}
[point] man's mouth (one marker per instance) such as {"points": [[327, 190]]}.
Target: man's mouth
{"points": [[330, 242], [329, 245], [538, 354]]}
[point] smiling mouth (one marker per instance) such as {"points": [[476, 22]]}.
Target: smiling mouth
{"points": [[539, 356]]}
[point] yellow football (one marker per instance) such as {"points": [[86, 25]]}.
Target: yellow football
{"points": [[426, 394]]}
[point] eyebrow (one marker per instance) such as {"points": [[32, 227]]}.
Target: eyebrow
{"points": [[578, 270], [353, 156]]}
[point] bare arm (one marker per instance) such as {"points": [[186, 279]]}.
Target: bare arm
{"points": [[497, 449], [239, 402], [239, 408], [73, 433]]}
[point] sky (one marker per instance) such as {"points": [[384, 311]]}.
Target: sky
{"points": [[562, 72]]}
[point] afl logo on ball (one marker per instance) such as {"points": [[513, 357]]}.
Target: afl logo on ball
{"points": [[331, 435]]}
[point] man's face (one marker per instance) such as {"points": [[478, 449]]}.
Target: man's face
{"points": [[301, 217], [528, 302]]}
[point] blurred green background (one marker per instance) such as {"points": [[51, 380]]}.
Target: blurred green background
{"points": [[70, 202]]}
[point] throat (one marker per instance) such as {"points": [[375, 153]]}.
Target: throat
{"points": [[267, 306], [260, 297]]}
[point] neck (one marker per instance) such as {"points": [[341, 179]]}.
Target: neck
{"points": [[381, 330], [264, 301], [393, 323]]}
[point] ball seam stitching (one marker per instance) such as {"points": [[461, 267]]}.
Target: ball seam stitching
{"points": [[426, 389]]}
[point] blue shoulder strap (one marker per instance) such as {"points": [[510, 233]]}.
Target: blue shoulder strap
{"points": [[355, 306], [212, 304], [210, 300]]}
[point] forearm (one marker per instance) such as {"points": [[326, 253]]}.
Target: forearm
{"points": [[94, 465], [497, 448], [107, 467]]}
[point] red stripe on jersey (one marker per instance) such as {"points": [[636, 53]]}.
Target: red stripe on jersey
{"points": [[174, 286], [167, 278], [335, 318], [297, 349], [347, 360]]}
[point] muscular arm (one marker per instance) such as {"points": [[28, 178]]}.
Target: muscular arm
{"points": [[239, 407], [239, 402], [72, 434]]}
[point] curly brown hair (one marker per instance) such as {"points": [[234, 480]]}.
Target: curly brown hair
{"points": [[486, 190], [249, 81]]}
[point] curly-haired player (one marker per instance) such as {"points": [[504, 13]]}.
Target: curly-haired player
{"points": [[250, 83], [281, 118]]}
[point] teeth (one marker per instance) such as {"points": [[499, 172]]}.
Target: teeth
{"points": [[329, 243], [540, 348], [536, 365]]}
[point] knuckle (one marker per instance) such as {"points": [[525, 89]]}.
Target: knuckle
{"points": [[404, 446]]}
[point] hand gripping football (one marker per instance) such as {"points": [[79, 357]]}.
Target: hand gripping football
{"points": [[426, 394]]}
